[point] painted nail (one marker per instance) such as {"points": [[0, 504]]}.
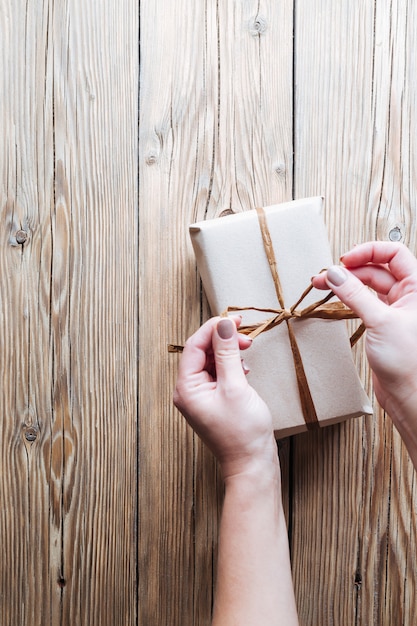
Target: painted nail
{"points": [[245, 368], [226, 328], [336, 275]]}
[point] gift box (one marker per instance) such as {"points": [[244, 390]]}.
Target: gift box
{"points": [[241, 258]]}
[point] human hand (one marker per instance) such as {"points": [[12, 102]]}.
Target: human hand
{"points": [[217, 401], [391, 319]]}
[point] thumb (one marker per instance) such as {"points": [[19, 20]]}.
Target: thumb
{"points": [[352, 292], [226, 353]]}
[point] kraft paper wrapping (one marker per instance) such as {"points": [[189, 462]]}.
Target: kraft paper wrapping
{"points": [[235, 272]]}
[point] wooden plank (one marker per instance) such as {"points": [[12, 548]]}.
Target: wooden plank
{"points": [[26, 189], [168, 123], [355, 119], [215, 135], [69, 312]]}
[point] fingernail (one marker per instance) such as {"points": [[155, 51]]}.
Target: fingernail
{"points": [[245, 367], [345, 253], [226, 328], [336, 275]]}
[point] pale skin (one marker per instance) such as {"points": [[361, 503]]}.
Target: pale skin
{"points": [[254, 584], [390, 317]]}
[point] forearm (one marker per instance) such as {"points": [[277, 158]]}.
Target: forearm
{"points": [[254, 584]]}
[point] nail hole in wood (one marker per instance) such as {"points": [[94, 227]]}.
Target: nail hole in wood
{"points": [[31, 434], [395, 234]]}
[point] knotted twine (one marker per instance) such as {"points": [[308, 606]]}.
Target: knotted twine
{"points": [[321, 309]]}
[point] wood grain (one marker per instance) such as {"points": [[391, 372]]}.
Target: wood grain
{"points": [[355, 117], [209, 142], [68, 313], [110, 504]]}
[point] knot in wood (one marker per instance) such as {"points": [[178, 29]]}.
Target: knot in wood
{"points": [[151, 159], [259, 26], [21, 236], [280, 169], [226, 212]]}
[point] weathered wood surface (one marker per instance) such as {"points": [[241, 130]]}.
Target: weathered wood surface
{"points": [[68, 331], [355, 112], [240, 104]]}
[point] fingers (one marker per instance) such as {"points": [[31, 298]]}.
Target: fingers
{"points": [[198, 351], [375, 276], [399, 259], [380, 265], [227, 358], [319, 281], [355, 295]]}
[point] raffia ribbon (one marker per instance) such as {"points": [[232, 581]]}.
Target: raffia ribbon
{"points": [[321, 309]]}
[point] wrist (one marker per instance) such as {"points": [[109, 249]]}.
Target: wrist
{"points": [[258, 489], [255, 477], [259, 462]]}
